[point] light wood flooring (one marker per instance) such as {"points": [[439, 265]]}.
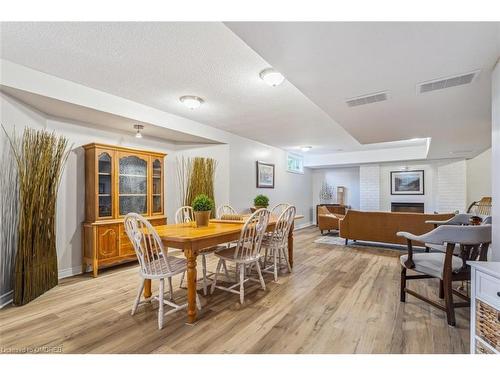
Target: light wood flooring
{"points": [[337, 300]]}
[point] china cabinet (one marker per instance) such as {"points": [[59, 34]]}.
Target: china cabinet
{"points": [[118, 180]]}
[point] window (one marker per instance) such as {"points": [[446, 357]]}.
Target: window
{"points": [[295, 163]]}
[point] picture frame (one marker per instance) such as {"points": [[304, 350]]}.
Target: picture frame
{"points": [[265, 175], [408, 182]]}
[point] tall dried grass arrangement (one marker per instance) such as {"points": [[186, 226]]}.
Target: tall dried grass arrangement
{"points": [[40, 157], [196, 176]]}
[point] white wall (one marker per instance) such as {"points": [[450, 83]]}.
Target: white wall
{"points": [[234, 183], [495, 153], [369, 187], [348, 177], [479, 177]]}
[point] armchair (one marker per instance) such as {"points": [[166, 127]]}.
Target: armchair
{"points": [[473, 243], [328, 220]]}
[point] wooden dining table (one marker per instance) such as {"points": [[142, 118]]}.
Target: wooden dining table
{"points": [[194, 240]]}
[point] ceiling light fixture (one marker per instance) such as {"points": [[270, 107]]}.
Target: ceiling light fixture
{"points": [[138, 127], [272, 77], [305, 148], [191, 101]]}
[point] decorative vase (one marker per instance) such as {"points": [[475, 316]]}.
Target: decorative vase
{"points": [[202, 218]]}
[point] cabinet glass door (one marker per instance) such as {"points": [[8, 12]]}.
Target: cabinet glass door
{"points": [[157, 197], [133, 185], [104, 187]]}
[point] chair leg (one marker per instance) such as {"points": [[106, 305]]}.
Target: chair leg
{"points": [[170, 289], [242, 282], [346, 241], [160, 308], [427, 249], [286, 261], [321, 232], [182, 279], [204, 270], [448, 301], [262, 282], [215, 275], [265, 258], [402, 297], [226, 273], [275, 264], [441, 289], [137, 298], [198, 303]]}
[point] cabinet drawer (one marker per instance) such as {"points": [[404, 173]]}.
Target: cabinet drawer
{"points": [[488, 324], [488, 289]]}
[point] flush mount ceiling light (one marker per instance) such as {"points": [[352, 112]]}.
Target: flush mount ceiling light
{"points": [[272, 77], [305, 148], [191, 101], [138, 127]]}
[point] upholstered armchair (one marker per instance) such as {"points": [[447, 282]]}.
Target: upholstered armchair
{"points": [[447, 266], [327, 220]]}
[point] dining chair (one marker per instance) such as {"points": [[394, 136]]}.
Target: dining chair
{"points": [[245, 253], [448, 266], [225, 209], [276, 243], [185, 214], [278, 209], [155, 264]]}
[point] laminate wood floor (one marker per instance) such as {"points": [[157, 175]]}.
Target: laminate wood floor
{"points": [[337, 300]]}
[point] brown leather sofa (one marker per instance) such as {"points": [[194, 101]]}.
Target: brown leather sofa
{"points": [[383, 226], [328, 220]]}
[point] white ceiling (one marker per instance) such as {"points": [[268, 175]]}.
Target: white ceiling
{"points": [[89, 116], [330, 62], [325, 63]]}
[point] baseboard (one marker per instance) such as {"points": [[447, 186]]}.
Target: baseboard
{"points": [[6, 299], [302, 226], [68, 272]]}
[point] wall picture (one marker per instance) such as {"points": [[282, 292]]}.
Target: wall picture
{"points": [[407, 183], [265, 175]]}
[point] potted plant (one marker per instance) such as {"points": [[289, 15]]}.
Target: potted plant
{"points": [[261, 201], [202, 206]]}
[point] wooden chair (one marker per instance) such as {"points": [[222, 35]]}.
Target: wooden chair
{"points": [[245, 254], [481, 207], [185, 214], [225, 209], [276, 243], [473, 242], [277, 210], [155, 264]]}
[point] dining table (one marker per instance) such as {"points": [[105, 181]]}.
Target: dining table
{"points": [[194, 240]]}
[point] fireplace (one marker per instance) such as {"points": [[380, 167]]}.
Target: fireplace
{"points": [[407, 207]]}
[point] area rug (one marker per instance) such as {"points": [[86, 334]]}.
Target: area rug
{"points": [[335, 240]]}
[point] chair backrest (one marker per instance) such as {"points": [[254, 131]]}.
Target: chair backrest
{"points": [[248, 246], [184, 214], [147, 244], [278, 209], [225, 209], [482, 207], [283, 226]]}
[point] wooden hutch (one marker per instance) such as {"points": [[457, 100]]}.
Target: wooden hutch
{"points": [[118, 180]]}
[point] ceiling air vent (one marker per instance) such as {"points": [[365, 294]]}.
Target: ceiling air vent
{"points": [[367, 99], [444, 83]]}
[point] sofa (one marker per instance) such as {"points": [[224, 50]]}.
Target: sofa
{"points": [[383, 226], [327, 220]]}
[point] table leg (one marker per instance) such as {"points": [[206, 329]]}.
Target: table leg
{"points": [[147, 288], [290, 246], [191, 282]]}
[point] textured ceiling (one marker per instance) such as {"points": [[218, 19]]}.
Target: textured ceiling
{"points": [[330, 62]]}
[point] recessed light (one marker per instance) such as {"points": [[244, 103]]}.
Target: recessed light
{"points": [[272, 77], [305, 148], [191, 101], [138, 127]]}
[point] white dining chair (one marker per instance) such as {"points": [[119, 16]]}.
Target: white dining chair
{"points": [[275, 243], [225, 209], [155, 264], [245, 254], [185, 214], [278, 209]]}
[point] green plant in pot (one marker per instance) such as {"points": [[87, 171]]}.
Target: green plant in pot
{"points": [[202, 207], [261, 201]]}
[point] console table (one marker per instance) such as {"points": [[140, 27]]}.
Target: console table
{"points": [[485, 308]]}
